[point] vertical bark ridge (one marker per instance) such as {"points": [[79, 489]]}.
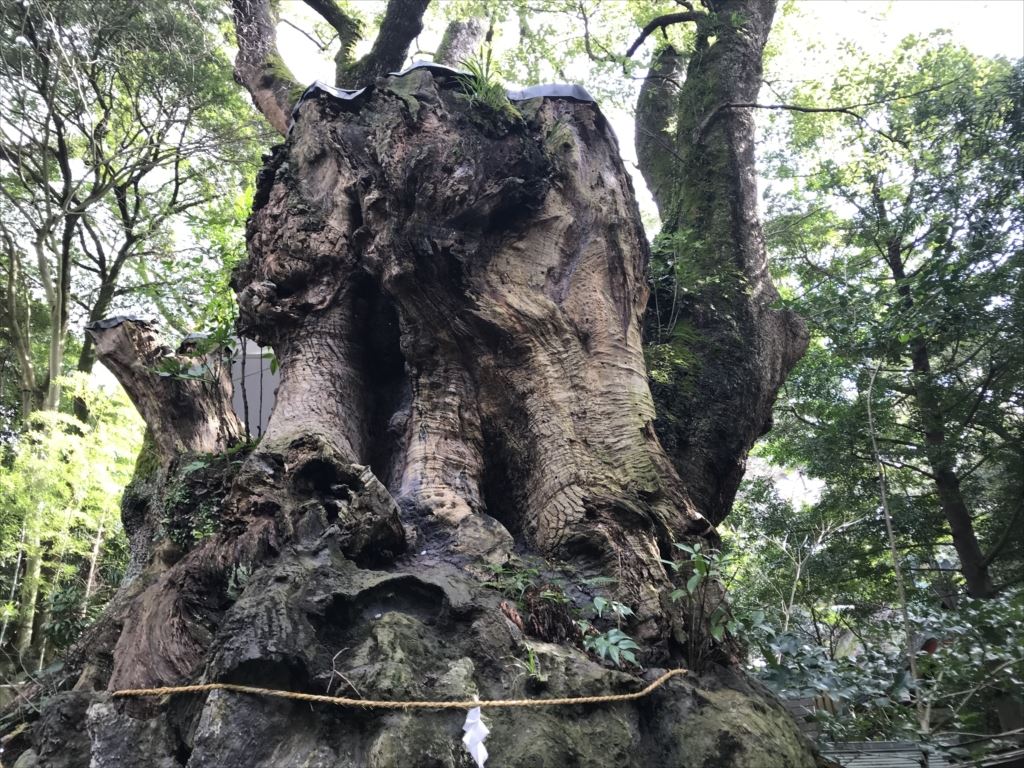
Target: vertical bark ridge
{"points": [[298, 296], [459, 42], [323, 382], [444, 461]]}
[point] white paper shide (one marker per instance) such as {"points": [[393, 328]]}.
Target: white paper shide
{"points": [[473, 738]]}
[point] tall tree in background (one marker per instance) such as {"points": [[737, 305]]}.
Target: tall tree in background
{"points": [[909, 257], [454, 288], [897, 225]]}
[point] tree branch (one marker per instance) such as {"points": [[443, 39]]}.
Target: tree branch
{"points": [[660, 23], [403, 20], [713, 114], [349, 29], [588, 45], [848, 109], [185, 399], [1006, 536], [320, 44], [654, 110], [259, 67]]}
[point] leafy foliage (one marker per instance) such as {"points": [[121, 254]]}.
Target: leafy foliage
{"points": [[970, 658], [481, 88], [899, 234], [908, 258], [704, 572], [60, 505], [614, 644], [512, 579], [122, 135]]}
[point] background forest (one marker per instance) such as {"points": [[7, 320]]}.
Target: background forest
{"points": [[875, 556]]}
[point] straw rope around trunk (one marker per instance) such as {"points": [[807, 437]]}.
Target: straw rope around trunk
{"points": [[340, 701]]}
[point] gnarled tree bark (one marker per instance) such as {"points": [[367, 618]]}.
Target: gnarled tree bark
{"points": [[455, 297], [184, 398]]}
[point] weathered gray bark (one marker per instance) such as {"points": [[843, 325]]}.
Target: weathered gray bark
{"points": [[515, 289], [460, 41], [184, 398], [259, 66]]}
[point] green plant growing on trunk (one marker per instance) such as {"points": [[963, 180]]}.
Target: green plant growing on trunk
{"points": [[614, 645], [705, 570], [481, 87]]}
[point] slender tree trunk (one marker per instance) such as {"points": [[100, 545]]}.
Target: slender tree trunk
{"points": [[15, 578], [18, 327], [912, 643], [55, 360], [87, 355], [28, 595], [940, 456], [58, 294], [40, 642], [90, 579]]}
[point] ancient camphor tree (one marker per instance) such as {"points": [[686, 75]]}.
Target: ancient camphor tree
{"points": [[454, 289]]}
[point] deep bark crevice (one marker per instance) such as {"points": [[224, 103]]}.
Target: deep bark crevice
{"points": [[389, 380]]}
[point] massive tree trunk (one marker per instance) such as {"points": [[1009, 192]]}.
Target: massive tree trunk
{"points": [[454, 294]]}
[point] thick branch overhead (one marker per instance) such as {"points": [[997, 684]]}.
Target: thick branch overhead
{"points": [[348, 28], [459, 41], [720, 402], [403, 21], [258, 65], [161, 384]]}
